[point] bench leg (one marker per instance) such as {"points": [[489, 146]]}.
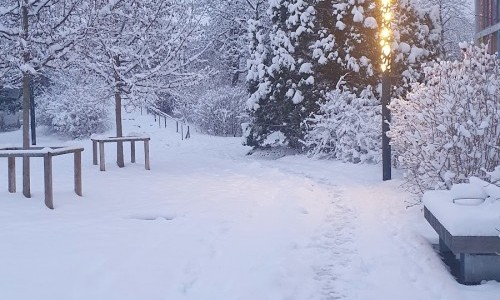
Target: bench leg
{"points": [[102, 162], [26, 177], [475, 268], [146, 155], [47, 164], [94, 153], [12, 174], [78, 172], [132, 151]]}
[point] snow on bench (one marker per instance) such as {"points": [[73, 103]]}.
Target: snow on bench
{"points": [[467, 220]]}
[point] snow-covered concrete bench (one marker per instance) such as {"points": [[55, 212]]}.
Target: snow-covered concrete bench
{"points": [[467, 221], [132, 139], [47, 153]]}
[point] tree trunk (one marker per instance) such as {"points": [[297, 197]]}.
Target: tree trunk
{"points": [[118, 115], [26, 105]]}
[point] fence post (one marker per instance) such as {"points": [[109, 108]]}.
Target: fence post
{"points": [[177, 126], [102, 162], [146, 155], [12, 174], [165, 121], [188, 135], [182, 131], [94, 153], [132, 151], [47, 169], [78, 172]]}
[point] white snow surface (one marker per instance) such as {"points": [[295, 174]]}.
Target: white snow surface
{"points": [[482, 219], [210, 222]]}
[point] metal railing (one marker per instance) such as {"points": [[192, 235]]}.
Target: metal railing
{"points": [[180, 124]]}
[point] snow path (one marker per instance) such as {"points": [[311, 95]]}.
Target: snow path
{"points": [[209, 222]]}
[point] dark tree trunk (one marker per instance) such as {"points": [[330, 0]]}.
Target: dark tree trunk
{"points": [[118, 115], [26, 106]]}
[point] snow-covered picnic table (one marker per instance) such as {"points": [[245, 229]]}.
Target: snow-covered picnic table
{"points": [[47, 153], [468, 227]]}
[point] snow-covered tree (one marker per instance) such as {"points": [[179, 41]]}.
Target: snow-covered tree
{"points": [[228, 30], [34, 36], [457, 22], [143, 49], [314, 44], [280, 74], [417, 37], [447, 128], [346, 44]]}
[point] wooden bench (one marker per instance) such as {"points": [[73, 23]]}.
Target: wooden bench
{"points": [[47, 153], [132, 139], [474, 258]]}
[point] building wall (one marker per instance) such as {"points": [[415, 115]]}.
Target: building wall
{"points": [[488, 23]]}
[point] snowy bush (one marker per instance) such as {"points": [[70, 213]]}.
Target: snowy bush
{"points": [[448, 129], [72, 106], [219, 111], [347, 128]]}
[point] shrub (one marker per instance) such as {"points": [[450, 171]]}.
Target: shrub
{"points": [[447, 129], [347, 128], [220, 111], [72, 106]]}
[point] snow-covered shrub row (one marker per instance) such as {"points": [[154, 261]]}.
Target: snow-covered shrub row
{"points": [[347, 128], [219, 111], [447, 129], [73, 106]]}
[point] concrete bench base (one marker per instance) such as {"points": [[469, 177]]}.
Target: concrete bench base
{"points": [[475, 268], [471, 259]]}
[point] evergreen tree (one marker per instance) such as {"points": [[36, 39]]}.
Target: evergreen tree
{"points": [[417, 36], [346, 46], [280, 79], [314, 44]]}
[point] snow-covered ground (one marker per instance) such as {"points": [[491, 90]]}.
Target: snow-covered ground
{"points": [[210, 222]]}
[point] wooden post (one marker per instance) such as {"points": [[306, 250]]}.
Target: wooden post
{"points": [[146, 154], [47, 170], [102, 162], [182, 131], [132, 151], [188, 135], [26, 177], [94, 152], [177, 126], [165, 119], [12, 174], [78, 172], [159, 121]]}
